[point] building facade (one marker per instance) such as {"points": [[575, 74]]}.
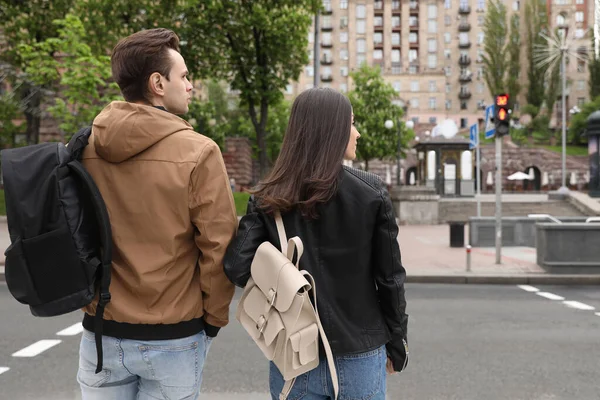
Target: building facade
{"points": [[430, 51]]}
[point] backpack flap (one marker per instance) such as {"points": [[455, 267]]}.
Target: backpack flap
{"points": [[305, 345], [277, 277]]}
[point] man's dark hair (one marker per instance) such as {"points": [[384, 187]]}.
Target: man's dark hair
{"points": [[138, 56]]}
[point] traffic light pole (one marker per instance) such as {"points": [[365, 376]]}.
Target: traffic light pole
{"points": [[498, 199]]}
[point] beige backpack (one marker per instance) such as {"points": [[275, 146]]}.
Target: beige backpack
{"points": [[275, 309]]}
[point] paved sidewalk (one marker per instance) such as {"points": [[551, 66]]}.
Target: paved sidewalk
{"points": [[428, 257]]}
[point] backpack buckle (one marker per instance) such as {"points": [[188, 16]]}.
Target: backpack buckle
{"points": [[104, 298], [261, 324], [272, 295]]}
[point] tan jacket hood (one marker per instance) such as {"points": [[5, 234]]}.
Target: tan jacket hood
{"points": [[123, 130]]}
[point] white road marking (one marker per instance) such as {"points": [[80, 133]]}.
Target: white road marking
{"points": [[528, 288], [598, 314], [72, 330], [3, 370], [578, 305], [36, 348], [550, 296]]}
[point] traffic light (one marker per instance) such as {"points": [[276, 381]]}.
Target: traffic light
{"points": [[501, 115]]}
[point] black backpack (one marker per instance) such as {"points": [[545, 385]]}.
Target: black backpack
{"points": [[61, 249]]}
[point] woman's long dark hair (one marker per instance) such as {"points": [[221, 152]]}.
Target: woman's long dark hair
{"points": [[307, 169]]}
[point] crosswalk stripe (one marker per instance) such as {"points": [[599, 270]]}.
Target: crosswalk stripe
{"points": [[36, 348], [72, 330], [3, 370]]}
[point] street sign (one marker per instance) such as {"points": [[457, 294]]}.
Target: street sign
{"points": [[474, 136], [490, 129]]}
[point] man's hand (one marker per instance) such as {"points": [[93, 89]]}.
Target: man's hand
{"points": [[389, 367]]}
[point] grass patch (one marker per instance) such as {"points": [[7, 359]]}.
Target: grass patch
{"points": [[241, 202], [571, 150]]}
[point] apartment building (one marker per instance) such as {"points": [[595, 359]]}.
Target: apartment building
{"points": [[430, 51]]}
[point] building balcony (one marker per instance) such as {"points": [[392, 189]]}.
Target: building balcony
{"points": [[378, 45], [464, 60], [464, 45], [326, 61], [414, 45], [464, 27], [378, 7], [327, 28], [326, 78], [464, 78], [464, 94], [396, 28], [326, 44], [414, 26], [378, 27], [464, 9]]}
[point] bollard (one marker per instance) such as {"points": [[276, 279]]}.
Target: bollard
{"points": [[468, 248]]}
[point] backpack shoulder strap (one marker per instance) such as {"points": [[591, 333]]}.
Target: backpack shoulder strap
{"points": [[281, 231], [106, 241], [79, 141]]}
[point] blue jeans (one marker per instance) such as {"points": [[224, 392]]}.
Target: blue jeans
{"points": [[140, 370], [360, 376]]}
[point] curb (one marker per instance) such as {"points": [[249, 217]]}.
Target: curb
{"points": [[481, 279], [525, 279]]}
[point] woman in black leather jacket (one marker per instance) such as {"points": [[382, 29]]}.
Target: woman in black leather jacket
{"points": [[346, 221]]}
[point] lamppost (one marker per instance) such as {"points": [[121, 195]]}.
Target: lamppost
{"points": [[389, 124]]}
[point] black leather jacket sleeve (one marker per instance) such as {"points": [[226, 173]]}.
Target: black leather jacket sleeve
{"points": [[240, 252], [389, 277]]}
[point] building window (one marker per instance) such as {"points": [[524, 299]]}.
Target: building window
{"points": [[432, 11], [361, 45], [447, 53], [579, 33], [361, 26], [397, 86], [361, 11], [378, 20], [395, 4], [360, 59], [432, 61], [448, 104], [414, 86], [344, 22], [448, 88], [344, 54], [343, 87], [396, 70], [579, 2], [580, 85], [480, 88], [464, 122], [561, 20], [395, 39], [344, 71], [432, 26], [464, 3], [413, 69], [378, 38], [309, 71], [343, 37], [481, 5], [516, 5], [448, 71], [395, 21], [447, 37], [413, 20], [580, 66], [448, 4], [311, 54], [414, 103], [432, 45], [448, 20], [413, 37], [378, 54], [580, 101], [432, 86], [413, 55], [343, 4], [579, 16], [480, 37], [378, 4], [463, 106], [396, 56], [432, 103], [480, 20]]}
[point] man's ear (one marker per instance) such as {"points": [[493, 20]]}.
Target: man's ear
{"points": [[155, 84]]}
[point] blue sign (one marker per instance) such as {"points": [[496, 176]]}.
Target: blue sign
{"points": [[490, 129], [474, 136]]}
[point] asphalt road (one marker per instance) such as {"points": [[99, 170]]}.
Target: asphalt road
{"points": [[467, 342]]}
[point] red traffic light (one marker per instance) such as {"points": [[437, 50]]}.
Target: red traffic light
{"points": [[502, 100], [502, 114]]}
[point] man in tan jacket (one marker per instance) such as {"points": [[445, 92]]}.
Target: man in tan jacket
{"points": [[172, 215]]}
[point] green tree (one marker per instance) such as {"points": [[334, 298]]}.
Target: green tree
{"points": [[537, 22], [594, 67], [513, 75], [80, 77], [579, 121], [496, 54], [259, 47], [372, 103]]}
